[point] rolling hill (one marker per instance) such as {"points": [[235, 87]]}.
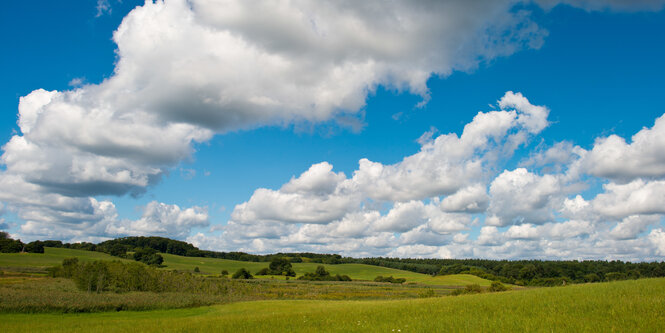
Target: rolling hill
{"points": [[213, 266]]}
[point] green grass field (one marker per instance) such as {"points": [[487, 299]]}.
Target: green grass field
{"points": [[355, 271], [50, 257], [627, 306], [54, 256]]}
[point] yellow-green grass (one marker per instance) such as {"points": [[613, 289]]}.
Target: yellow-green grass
{"points": [[355, 271], [626, 306], [213, 266], [21, 294], [50, 257]]}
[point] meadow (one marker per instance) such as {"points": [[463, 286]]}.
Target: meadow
{"points": [[213, 266], [23, 294], [26, 288], [623, 306], [355, 271]]}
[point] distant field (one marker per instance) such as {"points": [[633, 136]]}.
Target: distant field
{"points": [[355, 271], [50, 257], [54, 256], [626, 306]]}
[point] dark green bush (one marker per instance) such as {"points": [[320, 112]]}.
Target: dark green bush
{"points": [[118, 250], [242, 274], [8, 245], [278, 266], [322, 275], [389, 279], [35, 247], [148, 256], [342, 277]]}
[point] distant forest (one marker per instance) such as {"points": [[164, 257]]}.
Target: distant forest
{"points": [[520, 272]]}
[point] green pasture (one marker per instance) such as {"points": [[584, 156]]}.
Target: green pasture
{"points": [[50, 257], [213, 266], [355, 271], [626, 306]]}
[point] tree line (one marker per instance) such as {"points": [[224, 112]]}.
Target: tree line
{"points": [[10, 245], [523, 272]]}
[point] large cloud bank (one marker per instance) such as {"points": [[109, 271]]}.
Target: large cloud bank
{"points": [[434, 198], [187, 70]]}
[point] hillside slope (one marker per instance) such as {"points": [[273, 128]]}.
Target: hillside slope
{"points": [[54, 256]]}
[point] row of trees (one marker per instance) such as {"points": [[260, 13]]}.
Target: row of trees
{"points": [[9, 245], [547, 273]]}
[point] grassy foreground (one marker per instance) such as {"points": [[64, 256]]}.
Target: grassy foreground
{"points": [[627, 306], [22, 294]]}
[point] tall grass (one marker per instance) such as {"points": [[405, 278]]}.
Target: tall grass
{"points": [[627, 306], [32, 295]]}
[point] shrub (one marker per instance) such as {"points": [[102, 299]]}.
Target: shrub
{"points": [[469, 289], [389, 279], [225, 272], [197, 270], [341, 277], [497, 286], [473, 289], [148, 256], [116, 276], [321, 271], [93, 276], [278, 266], [322, 275], [242, 274], [70, 267]]}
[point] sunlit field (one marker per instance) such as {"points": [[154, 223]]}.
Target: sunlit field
{"points": [[26, 288], [627, 306], [213, 266]]}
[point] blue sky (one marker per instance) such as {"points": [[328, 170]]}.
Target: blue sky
{"points": [[596, 67]]}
